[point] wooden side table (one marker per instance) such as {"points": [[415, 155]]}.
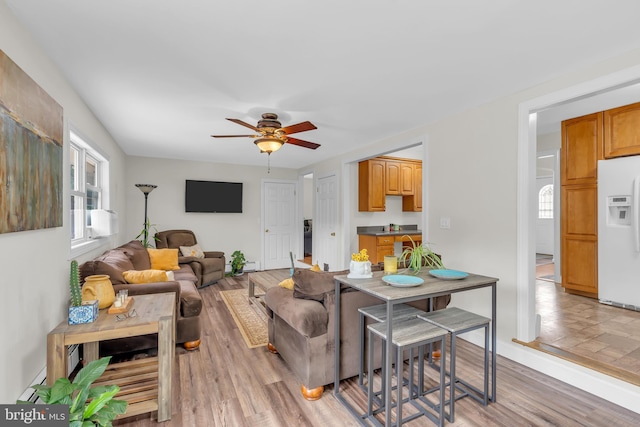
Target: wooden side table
{"points": [[155, 313]]}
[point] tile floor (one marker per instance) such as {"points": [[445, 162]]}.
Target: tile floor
{"points": [[584, 327]]}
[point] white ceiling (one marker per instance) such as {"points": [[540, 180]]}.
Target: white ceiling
{"points": [[162, 75]]}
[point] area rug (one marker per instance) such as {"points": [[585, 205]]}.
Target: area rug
{"points": [[251, 321]]}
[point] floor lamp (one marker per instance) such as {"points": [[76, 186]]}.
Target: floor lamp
{"points": [[146, 189]]}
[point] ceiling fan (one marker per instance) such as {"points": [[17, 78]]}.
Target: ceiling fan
{"points": [[271, 135]]}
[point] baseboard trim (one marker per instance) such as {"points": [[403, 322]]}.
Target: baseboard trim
{"points": [[583, 361]]}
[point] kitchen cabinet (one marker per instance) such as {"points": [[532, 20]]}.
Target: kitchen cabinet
{"points": [[392, 178], [582, 147], [407, 178], [371, 185], [622, 131], [399, 177], [406, 242], [413, 203], [378, 246], [389, 176]]}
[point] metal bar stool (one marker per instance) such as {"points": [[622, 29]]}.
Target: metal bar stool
{"points": [[378, 313], [458, 321], [410, 334]]}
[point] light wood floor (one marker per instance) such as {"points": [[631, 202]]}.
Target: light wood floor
{"points": [[224, 383], [580, 329]]}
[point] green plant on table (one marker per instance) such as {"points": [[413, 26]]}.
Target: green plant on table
{"points": [[74, 285], [238, 262], [87, 406], [420, 255]]}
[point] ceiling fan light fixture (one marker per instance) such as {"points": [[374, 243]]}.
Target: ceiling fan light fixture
{"points": [[268, 144]]}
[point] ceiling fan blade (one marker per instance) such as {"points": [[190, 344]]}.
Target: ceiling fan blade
{"points": [[300, 127], [241, 123], [233, 136], [301, 143]]}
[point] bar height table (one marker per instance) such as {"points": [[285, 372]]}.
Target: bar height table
{"points": [[432, 287]]}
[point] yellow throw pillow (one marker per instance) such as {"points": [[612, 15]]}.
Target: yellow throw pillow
{"points": [[286, 283], [315, 267], [163, 259], [145, 276]]}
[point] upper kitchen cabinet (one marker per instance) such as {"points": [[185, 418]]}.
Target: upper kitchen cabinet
{"points": [[399, 179], [389, 176], [371, 185], [414, 203], [581, 149], [622, 131], [392, 178]]}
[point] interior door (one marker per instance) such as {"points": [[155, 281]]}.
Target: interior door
{"points": [[325, 225], [279, 222]]}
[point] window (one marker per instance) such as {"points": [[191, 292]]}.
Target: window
{"points": [[545, 202], [88, 171]]}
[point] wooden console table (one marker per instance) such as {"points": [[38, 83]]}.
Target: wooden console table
{"points": [[144, 383]]}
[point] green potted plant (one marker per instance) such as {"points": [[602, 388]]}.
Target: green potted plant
{"points": [[144, 234], [87, 406], [238, 262], [420, 255]]}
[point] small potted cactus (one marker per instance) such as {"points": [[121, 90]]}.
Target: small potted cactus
{"points": [[79, 311]]}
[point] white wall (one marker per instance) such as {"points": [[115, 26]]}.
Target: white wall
{"points": [[225, 232], [35, 264]]}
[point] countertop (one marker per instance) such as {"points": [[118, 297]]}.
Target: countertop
{"points": [[380, 231]]}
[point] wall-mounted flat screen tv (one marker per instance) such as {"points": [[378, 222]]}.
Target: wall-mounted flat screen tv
{"points": [[213, 196]]}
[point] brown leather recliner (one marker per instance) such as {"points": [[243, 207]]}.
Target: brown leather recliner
{"points": [[208, 270]]}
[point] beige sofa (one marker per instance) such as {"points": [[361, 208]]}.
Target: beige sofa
{"points": [[301, 328], [134, 256]]}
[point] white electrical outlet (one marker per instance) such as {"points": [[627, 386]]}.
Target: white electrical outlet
{"points": [[445, 222]]}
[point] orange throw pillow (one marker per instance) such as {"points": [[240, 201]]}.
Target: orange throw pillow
{"points": [[163, 259]]}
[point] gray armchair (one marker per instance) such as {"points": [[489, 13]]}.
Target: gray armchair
{"points": [[208, 270]]}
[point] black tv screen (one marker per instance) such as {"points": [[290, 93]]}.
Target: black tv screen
{"points": [[213, 196]]}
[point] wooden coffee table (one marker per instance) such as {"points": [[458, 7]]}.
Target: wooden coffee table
{"points": [[144, 383], [265, 280]]}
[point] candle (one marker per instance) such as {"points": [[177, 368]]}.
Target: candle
{"points": [[117, 303], [390, 264]]}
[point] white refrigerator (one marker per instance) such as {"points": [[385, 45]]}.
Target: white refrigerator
{"points": [[619, 232]]}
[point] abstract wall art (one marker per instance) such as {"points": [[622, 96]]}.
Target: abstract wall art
{"points": [[31, 167]]}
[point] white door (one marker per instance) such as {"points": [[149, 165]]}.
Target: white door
{"points": [[325, 224], [545, 226], [279, 221]]}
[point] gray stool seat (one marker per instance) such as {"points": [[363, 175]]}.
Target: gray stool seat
{"points": [[410, 334], [457, 321], [378, 313]]}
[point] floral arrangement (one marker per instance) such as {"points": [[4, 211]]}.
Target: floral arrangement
{"points": [[361, 256]]}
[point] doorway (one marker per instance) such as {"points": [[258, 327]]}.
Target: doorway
{"points": [[279, 201], [307, 215], [326, 222], [530, 114], [548, 216]]}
